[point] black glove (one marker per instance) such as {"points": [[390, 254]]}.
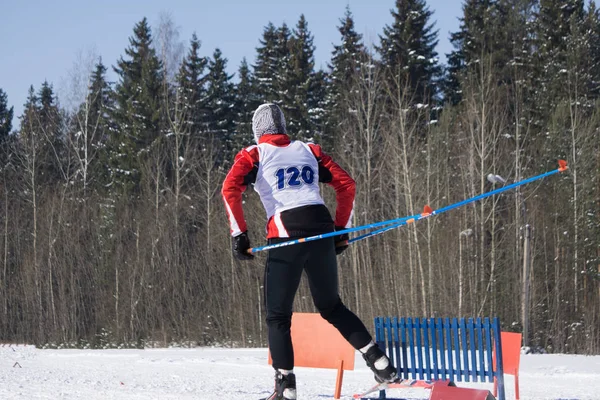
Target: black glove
{"points": [[241, 244], [341, 241]]}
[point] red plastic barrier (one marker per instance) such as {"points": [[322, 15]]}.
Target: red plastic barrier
{"points": [[440, 392]]}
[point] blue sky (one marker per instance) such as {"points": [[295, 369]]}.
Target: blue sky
{"points": [[41, 40]]}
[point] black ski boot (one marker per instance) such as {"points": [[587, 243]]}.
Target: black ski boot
{"points": [[285, 387], [385, 375]]}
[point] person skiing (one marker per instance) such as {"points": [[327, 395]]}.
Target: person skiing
{"points": [[286, 174]]}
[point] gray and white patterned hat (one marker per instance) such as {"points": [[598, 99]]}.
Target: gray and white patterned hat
{"points": [[268, 119]]}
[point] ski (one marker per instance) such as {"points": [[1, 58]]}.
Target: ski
{"points": [[376, 388], [407, 383], [380, 386]]}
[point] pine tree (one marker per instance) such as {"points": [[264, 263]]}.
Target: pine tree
{"points": [[266, 68], [192, 90], [299, 77], [552, 26], [283, 72], [50, 126], [6, 116], [511, 32], [471, 43], [317, 98], [137, 111], [592, 28], [582, 57], [220, 102], [347, 57], [590, 159], [407, 50], [246, 102], [30, 137], [92, 128], [40, 135], [30, 110], [346, 62]]}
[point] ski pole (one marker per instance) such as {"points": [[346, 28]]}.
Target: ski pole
{"points": [[428, 212], [392, 222], [395, 223]]}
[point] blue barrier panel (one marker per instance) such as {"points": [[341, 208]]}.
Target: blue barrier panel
{"points": [[411, 347], [435, 371], [473, 365], [456, 347], [440, 333], [465, 349], [488, 349], [396, 341], [448, 329], [404, 346], [499, 367], [481, 368], [426, 368], [442, 348], [379, 333], [390, 338]]}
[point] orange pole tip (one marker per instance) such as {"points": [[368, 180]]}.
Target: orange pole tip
{"points": [[426, 211], [562, 165]]}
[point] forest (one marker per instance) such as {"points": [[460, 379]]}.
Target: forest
{"points": [[113, 232]]}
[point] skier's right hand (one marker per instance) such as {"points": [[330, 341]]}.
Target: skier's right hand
{"points": [[241, 244]]}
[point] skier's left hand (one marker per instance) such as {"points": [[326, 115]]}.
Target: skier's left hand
{"points": [[241, 245]]}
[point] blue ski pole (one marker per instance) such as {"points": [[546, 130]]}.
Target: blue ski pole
{"points": [[398, 222], [562, 167], [330, 234]]}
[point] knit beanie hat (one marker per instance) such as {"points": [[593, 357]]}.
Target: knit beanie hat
{"points": [[268, 119]]}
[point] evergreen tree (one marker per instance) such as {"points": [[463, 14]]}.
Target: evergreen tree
{"points": [[6, 116], [317, 99], [94, 126], [407, 50], [192, 90], [220, 102], [566, 74], [40, 135], [266, 68], [283, 72], [553, 25], [347, 57], [591, 27], [589, 157], [346, 61], [137, 112], [471, 43], [246, 102], [30, 111], [582, 57], [511, 32], [299, 77], [51, 127], [100, 93]]}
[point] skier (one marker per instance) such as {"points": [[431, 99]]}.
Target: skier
{"points": [[286, 174]]}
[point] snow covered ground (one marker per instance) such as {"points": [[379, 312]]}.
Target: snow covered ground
{"points": [[217, 374]]}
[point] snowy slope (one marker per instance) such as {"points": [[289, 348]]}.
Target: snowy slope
{"points": [[217, 374]]}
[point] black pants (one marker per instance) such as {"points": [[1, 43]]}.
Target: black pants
{"points": [[282, 278]]}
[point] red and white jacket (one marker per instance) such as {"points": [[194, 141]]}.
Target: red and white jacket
{"points": [[286, 175]]}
